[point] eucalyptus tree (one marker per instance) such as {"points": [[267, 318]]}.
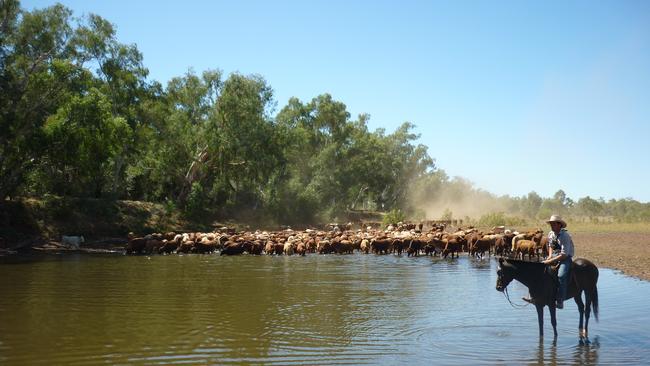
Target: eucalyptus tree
{"points": [[37, 75], [244, 146], [174, 157], [121, 76], [85, 137], [408, 163], [320, 138], [338, 164], [589, 207], [48, 60]]}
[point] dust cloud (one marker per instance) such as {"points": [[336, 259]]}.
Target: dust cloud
{"points": [[458, 197]]}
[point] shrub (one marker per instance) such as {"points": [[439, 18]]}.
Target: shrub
{"points": [[194, 205], [393, 217], [500, 219]]}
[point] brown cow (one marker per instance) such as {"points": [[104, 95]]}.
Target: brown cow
{"points": [[169, 246], [153, 246], [480, 246], [301, 248], [135, 245], [380, 246], [343, 247], [233, 248], [257, 248], [278, 248], [434, 246], [454, 245], [524, 247], [398, 245], [415, 246], [501, 246], [185, 246]]}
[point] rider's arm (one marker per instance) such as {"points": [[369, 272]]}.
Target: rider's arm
{"points": [[557, 258]]}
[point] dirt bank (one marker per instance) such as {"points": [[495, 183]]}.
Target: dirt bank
{"points": [[627, 252]]}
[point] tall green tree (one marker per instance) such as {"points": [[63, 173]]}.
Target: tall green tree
{"points": [[336, 163], [47, 60], [243, 143], [177, 156], [83, 139], [36, 77], [121, 77]]}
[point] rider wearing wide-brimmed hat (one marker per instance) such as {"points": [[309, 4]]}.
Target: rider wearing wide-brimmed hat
{"points": [[560, 250]]}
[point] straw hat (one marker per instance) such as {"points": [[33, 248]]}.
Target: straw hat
{"points": [[556, 218]]}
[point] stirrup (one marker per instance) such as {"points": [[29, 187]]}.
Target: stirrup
{"points": [[529, 300]]}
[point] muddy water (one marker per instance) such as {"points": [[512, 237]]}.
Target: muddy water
{"points": [[353, 309]]}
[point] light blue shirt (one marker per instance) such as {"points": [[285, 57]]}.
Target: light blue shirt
{"points": [[564, 242]]}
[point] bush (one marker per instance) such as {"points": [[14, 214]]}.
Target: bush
{"points": [[500, 219], [194, 205], [393, 217]]}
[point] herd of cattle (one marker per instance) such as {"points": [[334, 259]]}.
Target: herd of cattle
{"points": [[409, 238]]}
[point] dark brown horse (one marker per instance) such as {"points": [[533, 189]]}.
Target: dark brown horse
{"points": [[543, 286]]}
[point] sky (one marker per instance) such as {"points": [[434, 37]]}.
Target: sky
{"points": [[513, 96]]}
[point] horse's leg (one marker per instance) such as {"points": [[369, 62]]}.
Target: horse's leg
{"points": [[581, 310], [588, 301], [551, 310], [540, 319]]}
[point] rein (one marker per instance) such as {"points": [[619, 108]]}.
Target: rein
{"points": [[516, 306]]}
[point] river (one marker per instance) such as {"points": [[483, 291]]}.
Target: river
{"points": [[79, 309]]}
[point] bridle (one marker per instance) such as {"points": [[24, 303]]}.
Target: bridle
{"points": [[516, 306], [506, 294]]}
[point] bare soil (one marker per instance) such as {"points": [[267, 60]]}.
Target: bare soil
{"points": [[627, 252]]}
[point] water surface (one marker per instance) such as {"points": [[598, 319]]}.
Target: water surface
{"points": [[319, 309]]}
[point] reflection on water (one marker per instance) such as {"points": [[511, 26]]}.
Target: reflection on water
{"points": [[355, 309], [584, 353]]}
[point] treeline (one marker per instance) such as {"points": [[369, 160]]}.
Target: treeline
{"points": [[78, 117]]}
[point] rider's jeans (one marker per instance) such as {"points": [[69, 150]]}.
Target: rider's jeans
{"points": [[563, 277]]}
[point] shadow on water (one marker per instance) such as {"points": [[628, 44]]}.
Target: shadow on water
{"points": [[318, 309]]}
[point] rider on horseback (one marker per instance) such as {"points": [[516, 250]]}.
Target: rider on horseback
{"points": [[560, 250]]}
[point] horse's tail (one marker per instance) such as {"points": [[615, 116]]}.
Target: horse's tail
{"points": [[594, 302]]}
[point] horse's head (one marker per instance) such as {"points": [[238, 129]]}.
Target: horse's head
{"points": [[504, 275]]}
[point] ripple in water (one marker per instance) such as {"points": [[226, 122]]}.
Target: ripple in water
{"points": [[331, 309]]}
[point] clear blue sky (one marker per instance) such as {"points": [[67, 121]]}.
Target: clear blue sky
{"points": [[515, 96]]}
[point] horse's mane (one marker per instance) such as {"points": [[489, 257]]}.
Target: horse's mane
{"points": [[524, 263], [514, 260]]}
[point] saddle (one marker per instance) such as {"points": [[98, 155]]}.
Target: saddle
{"points": [[552, 270]]}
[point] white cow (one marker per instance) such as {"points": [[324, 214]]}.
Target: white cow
{"points": [[73, 242]]}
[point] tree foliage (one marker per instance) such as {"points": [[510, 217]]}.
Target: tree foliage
{"points": [[78, 117]]}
